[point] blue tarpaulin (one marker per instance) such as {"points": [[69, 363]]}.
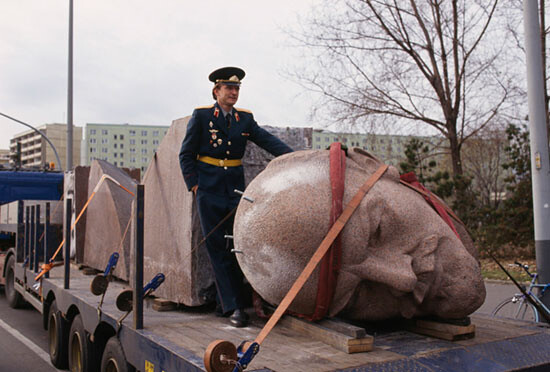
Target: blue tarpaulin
{"points": [[28, 185]]}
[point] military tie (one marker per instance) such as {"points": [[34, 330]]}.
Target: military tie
{"points": [[228, 119]]}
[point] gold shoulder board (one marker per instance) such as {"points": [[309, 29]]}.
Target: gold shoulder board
{"points": [[204, 107], [243, 110]]}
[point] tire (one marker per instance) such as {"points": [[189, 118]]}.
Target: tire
{"points": [[82, 356], [14, 298], [58, 337], [517, 307], [113, 359]]}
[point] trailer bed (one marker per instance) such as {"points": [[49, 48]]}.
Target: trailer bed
{"points": [[176, 340]]}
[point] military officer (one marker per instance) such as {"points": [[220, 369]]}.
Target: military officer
{"points": [[210, 160]]}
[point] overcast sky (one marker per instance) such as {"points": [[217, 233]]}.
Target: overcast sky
{"points": [[144, 62]]}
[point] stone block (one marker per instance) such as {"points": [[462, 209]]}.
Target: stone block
{"points": [[107, 218]]}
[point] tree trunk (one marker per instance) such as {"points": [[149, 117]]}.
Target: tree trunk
{"points": [[455, 151]]}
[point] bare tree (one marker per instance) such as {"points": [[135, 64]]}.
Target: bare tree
{"points": [[432, 62], [513, 15], [484, 157]]}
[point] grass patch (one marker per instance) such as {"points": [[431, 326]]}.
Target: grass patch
{"points": [[490, 270]]}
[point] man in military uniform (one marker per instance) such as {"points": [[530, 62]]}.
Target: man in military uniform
{"points": [[210, 160]]}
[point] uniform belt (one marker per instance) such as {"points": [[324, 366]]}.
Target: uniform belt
{"points": [[220, 162]]}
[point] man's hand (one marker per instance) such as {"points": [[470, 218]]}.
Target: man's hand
{"points": [[194, 189]]}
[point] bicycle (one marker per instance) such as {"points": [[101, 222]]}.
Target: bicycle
{"points": [[519, 306]]}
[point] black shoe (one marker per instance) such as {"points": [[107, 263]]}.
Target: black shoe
{"points": [[239, 318]]}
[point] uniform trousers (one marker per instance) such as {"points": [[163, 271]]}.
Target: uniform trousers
{"points": [[212, 209]]}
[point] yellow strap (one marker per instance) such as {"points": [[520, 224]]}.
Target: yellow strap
{"points": [[220, 162]]}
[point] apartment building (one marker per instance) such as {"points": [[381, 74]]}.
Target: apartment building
{"points": [[388, 148], [4, 157], [124, 145], [37, 152]]}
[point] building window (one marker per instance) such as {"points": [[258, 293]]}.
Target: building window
{"points": [[104, 140], [92, 131], [133, 150], [143, 132], [104, 150], [122, 136], [115, 155], [115, 145], [132, 160], [121, 154], [121, 145], [92, 149], [114, 136], [317, 138], [104, 132], [132, 142], [144, 160], [381, 140], [155, 133], [115, 164], [92, 140], [121, 163], [144, 151], [155, 142], [327, 139], [345, 140], [144, 142], [132, 132]]}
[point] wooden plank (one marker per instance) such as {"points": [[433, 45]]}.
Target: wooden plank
{"points": [[162, 304], [445, 331], [329, 336], [343, 327], [335, 324]]}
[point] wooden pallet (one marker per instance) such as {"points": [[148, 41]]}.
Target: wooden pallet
{"points": [[445, 331]]}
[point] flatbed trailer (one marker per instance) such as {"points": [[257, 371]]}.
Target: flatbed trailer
{"points": [[176, 340], [168, 341]]}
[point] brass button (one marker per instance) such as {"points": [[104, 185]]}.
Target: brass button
{"points": [[229, 143], [221, 163], [225, 168], [227, 152]]}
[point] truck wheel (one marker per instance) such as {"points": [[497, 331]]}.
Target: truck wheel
{"points": [[15, 300], [113, 358], [81, 349], [58, 335]]}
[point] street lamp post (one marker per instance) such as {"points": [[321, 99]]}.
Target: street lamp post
{"points": [[70, 93]]}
